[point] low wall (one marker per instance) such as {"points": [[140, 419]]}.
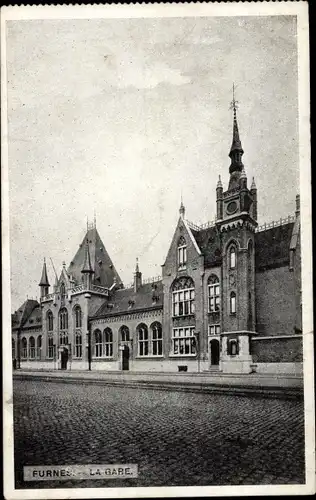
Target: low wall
{"points": [[280, 368], [282, 349]]}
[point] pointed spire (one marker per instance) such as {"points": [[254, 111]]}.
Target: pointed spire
{"points": [[137, 266], [253, 184], [219, 183], [236, 150], [44, 279], [87, 268], [182, 208]]}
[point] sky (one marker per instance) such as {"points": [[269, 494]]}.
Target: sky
{"points": [[121, 116]]}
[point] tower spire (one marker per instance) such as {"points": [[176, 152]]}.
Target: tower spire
{"points": [[236, 150], [44, 279]]}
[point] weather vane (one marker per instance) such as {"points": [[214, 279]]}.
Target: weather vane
{"points": [[234, 103]]}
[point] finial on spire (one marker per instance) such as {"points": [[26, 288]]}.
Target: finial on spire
{"points": [[137, 266], [182, 208], [219, 182], [253, 184], [236, 150]]}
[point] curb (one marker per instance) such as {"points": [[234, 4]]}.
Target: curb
{"points": [[254, 391]]}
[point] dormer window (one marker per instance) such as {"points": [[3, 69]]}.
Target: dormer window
{"points": [[182, 253], [232, 258]]}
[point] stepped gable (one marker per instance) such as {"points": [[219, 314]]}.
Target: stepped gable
{"points": [[104, 272], [21, 316], [273, 246], [209, 244], [127, 300]]}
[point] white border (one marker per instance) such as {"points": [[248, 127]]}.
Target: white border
{"points": [[300, 9]]}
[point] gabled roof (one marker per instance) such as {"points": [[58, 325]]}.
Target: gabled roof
{"points": [[273, 246], [20, 317], [209, 244], [126, 300], [101, 264]]}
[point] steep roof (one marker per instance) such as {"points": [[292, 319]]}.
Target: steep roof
{"points": [[273, 246], [127, 300], [34, 319], [102, 265], [20, 317], [209, 244]]}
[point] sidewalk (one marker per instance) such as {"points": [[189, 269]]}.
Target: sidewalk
{"points": [[259, 385]]}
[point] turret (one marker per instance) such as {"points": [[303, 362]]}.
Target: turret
{"points": [[219, 199], [137, 278], [253, 190], [44, 283], [87, 270]]}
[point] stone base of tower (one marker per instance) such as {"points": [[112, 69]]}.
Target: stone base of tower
{"points": [[235, 355]]}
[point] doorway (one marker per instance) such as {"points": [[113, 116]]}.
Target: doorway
{"points": [[125, 358], [214, 348], [64, 358]]}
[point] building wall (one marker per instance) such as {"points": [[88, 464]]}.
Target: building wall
{"points": [[275, 301], [277, 350]]}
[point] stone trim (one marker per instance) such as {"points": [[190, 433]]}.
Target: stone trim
{"points": [[271, 337]]}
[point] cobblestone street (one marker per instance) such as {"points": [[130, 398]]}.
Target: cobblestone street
{"points": [[175, 438]]}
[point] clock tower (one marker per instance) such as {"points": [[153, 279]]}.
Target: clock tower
{"points": [[236, 223]]}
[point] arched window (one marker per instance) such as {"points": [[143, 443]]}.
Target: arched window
{"points": [[78, 317], [98, 344], [182, 253], [63, 319], [143, 347], [78, 344], [24, 348], [50, 321], [50, 346], [233, 303], [32, 347], [108, 343], [62, 289], [124, 332], [38, 346], [156, 333], [232, 347], [63, 326], [183, 297], [13, 349], [232, 257], [213, 293]]}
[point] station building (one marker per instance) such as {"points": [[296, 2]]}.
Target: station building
{"points": [[228, 299]]}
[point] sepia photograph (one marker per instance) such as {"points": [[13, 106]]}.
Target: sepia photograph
{"points": [[157, 255]]}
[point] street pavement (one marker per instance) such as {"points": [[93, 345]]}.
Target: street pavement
{"points": [[177, 439]]}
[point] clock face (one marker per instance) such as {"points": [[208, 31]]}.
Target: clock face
{"points": [[232, 207]]}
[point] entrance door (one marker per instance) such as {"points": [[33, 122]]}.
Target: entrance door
{"points": [[214, 346], [64, 358], [125, 360]]}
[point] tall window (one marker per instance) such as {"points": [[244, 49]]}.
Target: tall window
{"points": [[156, 332], [143, 342], [183, 341], [13, 349], [233, 303], [38, 346], [124, 331], [213, 294], [50, 346], [32, 347], [183, 297], [78, 344], [78, 317], [108, 343], [50, 321], [232, 257], [24, 348], [63, 327], [182, 253], [62, 289], [214, 329], [97, 344]]}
